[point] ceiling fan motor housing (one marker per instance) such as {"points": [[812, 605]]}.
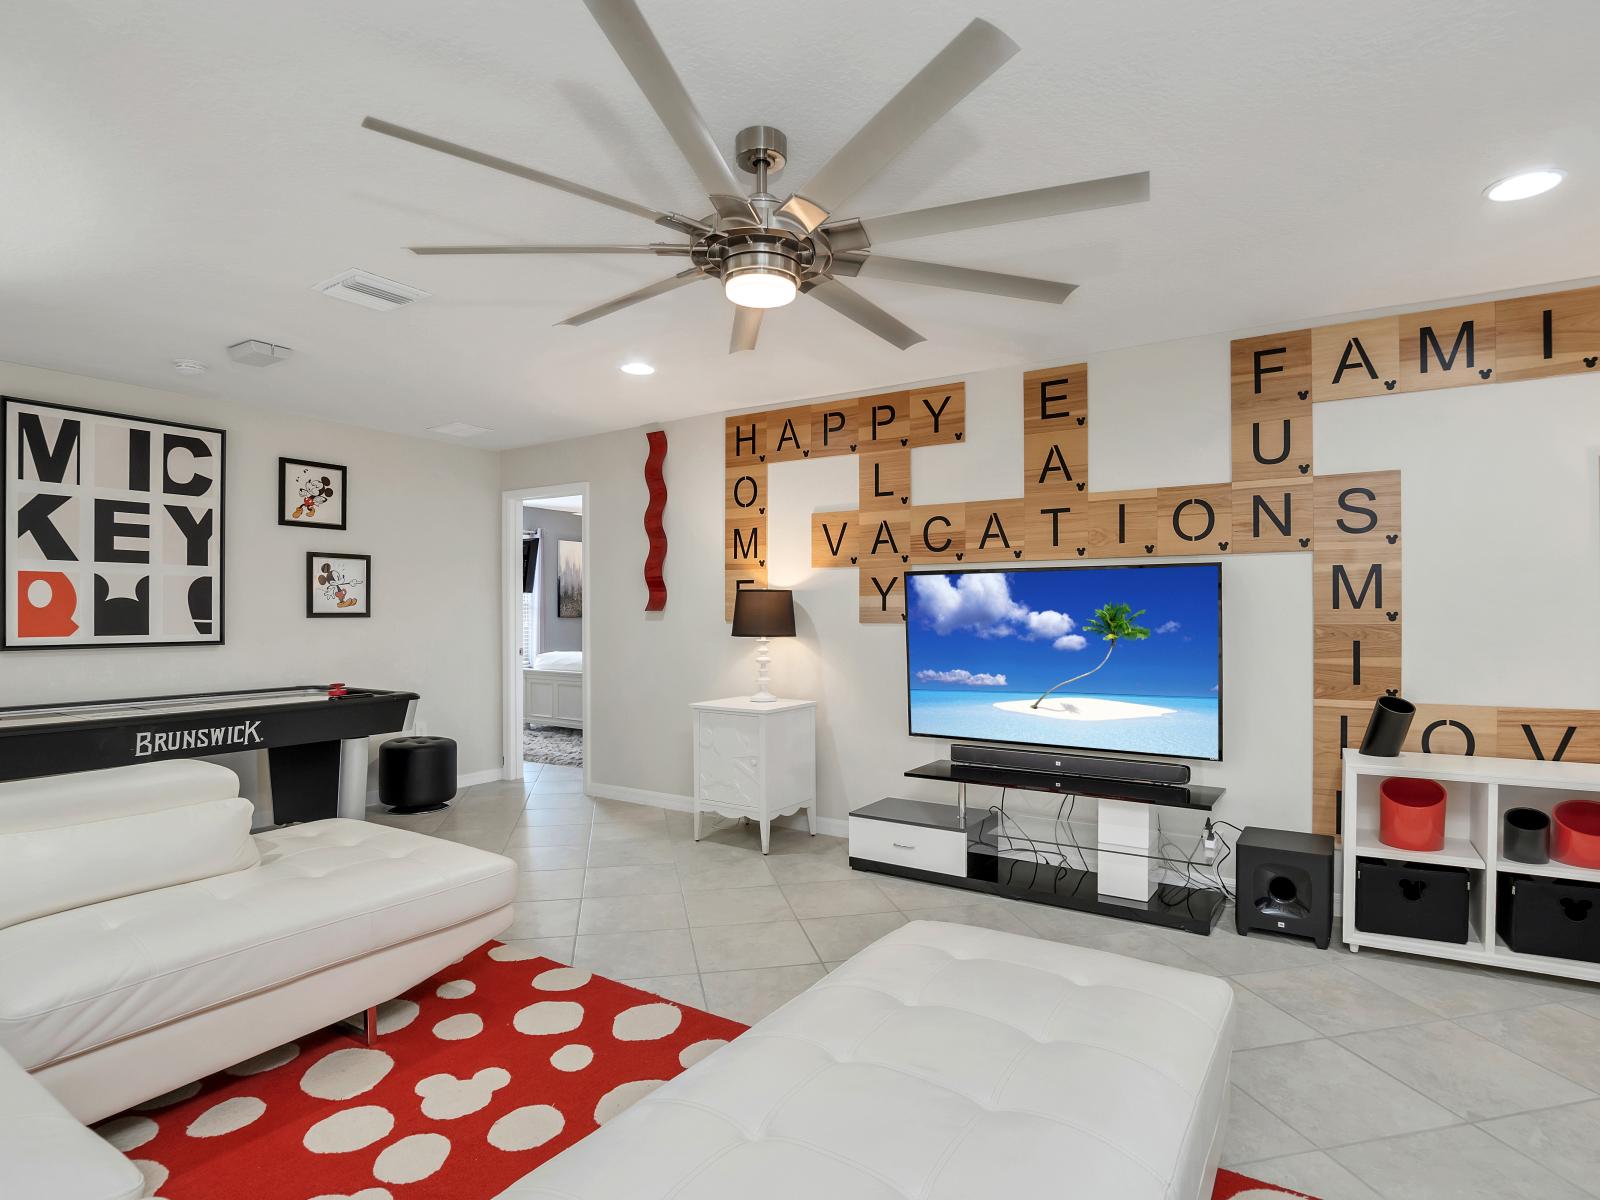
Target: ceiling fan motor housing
{"points": [[761, 143]]}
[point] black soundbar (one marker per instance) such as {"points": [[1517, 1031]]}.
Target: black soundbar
{"points": [[1083, 765]]}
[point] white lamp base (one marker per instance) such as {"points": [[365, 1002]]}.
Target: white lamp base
{"points": [[763, 693]]}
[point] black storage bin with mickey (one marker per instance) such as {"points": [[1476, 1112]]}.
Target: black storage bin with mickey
{"points": [[1412, 900], [1553, 917]]}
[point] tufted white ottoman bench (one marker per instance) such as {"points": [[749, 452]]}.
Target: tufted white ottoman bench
{"points": [[945, 1063]]}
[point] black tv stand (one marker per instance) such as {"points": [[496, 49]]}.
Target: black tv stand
{"points": [[961, 847]]}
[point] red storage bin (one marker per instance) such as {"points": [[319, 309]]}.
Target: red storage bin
{"points": [[1576, 837], [1411, 814]]}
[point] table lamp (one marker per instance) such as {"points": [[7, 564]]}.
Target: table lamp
{"points": [[763, 613]]}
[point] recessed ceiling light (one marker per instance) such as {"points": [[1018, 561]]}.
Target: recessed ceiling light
{"points": [[188, 366], [1525, 184], [637, 368]]}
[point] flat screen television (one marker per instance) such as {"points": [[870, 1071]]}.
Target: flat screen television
{"points": [[1118, 658]]}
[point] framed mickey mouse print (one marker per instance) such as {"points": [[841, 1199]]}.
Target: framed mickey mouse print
{"points": [[338, 585], [312, 493]]}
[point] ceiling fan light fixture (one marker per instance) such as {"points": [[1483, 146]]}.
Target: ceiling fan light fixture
{"points": [[760, 279]]}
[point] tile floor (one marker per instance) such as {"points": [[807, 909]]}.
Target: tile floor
{"points": [[1355, 1075]]}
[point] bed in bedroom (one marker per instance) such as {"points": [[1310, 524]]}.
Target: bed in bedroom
{"points": [[552, 689]]}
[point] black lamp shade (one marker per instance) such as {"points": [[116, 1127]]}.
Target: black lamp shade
{"points": [[763, 612]]}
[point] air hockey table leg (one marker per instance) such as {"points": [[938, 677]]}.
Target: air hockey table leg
{"points": [[353, 758]]}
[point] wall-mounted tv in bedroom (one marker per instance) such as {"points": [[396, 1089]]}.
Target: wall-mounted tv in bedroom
{"points": [[1124, 659]]}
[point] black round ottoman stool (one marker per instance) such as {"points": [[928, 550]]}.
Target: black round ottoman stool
{"points": [[417, 774]]}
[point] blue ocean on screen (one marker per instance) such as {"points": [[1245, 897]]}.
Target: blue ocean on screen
{"points": [[1105, 658]]}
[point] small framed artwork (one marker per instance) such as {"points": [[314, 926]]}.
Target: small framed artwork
{"points": [[569, 579], [338, 585], [312, 493]]}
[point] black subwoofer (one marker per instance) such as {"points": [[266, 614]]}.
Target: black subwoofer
{"points": [[1284, 883]]}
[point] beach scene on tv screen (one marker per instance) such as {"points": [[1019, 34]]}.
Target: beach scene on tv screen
{"points": [[1102, 658]]}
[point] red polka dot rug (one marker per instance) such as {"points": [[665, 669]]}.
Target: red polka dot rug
{"points": [[477, 1076]]}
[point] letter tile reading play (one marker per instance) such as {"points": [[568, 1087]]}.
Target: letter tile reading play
{"points": [[113, 530]]}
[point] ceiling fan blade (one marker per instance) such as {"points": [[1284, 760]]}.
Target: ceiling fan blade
{"points": [[510, 168], [976, 53], [746, 328], [1002, 210], [625, 28], [659, 288], [735, 208], [966, 279], [662, 248], [863, 312], [803, 212]]}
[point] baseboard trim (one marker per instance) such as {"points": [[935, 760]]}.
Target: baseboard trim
{"points": [[831, 826], [492, 775]]}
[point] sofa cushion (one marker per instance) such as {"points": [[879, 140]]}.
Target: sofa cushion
{"points": [[44, 871], [325, 892], [115, 792], [943, 1062], [46, 1153]]}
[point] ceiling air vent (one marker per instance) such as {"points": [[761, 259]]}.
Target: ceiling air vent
{"points": [[369, 290]]}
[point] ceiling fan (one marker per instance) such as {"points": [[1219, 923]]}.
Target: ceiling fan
{"points": [[765, 250]]}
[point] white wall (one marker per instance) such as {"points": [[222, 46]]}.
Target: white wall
{"points": [[427, 513], [1501, 569]]}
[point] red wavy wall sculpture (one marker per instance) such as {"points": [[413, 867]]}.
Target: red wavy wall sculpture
{"points": [[656, 560]]}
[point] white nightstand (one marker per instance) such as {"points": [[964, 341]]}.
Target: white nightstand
{"points": [[755, 760]]}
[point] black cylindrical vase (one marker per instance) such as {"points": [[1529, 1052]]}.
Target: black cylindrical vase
{"points": [[1527, 835], [1386, 731]]}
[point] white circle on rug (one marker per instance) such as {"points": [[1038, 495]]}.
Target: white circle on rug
{"points": [[525, 1128], [412, 1158], [692, 1054], [444, 1097], [396, 1014], [128, 1133], [548, 1016], [574, 1057], [350, 1129], [363, 1194], [646, 1022], [172, 1097], [514, 952], [154, 1174], [562, 979], [455, 989], [269, 1060], [459, 1027], [346, 1073], [231, 1114], [622, 1097]]}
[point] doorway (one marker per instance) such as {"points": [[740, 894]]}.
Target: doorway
{"points": [[546, 637]]}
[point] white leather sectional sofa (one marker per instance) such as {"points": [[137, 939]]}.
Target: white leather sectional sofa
{"points": [[147, 939], [943, 1062]]}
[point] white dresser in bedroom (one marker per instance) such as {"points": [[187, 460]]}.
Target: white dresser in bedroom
{"points": [[755, 760], [552, 689]]}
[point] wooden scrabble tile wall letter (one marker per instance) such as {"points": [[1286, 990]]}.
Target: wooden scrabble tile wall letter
{"points": [[1447, 347], [1273, 515], [833, 429], [885, 479], [788, 434], [938, 533], [1194, 520], [833, 539], [995, 531], [884, 421], [1360, 359], [745, 439], [883, 596], [939, 415], [1118, 525], [1554, 334]]}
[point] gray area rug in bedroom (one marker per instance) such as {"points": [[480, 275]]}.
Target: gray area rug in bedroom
{"points": [[552, 744]]}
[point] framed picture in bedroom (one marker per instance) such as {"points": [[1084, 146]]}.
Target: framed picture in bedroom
{"points": [[569, 579], [313, 494], [112, 531], [338, 585]]}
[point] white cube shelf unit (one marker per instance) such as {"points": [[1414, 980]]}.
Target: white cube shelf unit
{"points": [[1478, 793]]}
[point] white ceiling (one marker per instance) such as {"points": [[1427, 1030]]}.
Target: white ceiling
{"points": [[566, 504], [179, 173]]}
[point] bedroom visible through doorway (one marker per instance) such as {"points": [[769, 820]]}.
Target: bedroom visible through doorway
{"points": [[550, 630]]}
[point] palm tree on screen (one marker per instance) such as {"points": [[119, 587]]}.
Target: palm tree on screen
{"points": [[1114, 623]]}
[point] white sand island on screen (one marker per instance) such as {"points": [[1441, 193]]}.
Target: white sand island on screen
{"points": [[1083, 708]]}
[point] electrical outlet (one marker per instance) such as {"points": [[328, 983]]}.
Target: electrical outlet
{"points": [[1209, 846]]}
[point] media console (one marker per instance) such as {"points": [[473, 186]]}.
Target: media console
{"points": [[956, 845]]}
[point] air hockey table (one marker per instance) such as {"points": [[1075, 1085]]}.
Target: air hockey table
{"points": [[315, 740]]}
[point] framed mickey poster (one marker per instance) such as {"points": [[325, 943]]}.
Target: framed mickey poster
{"points": [[113, 529], [312, 494]]}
